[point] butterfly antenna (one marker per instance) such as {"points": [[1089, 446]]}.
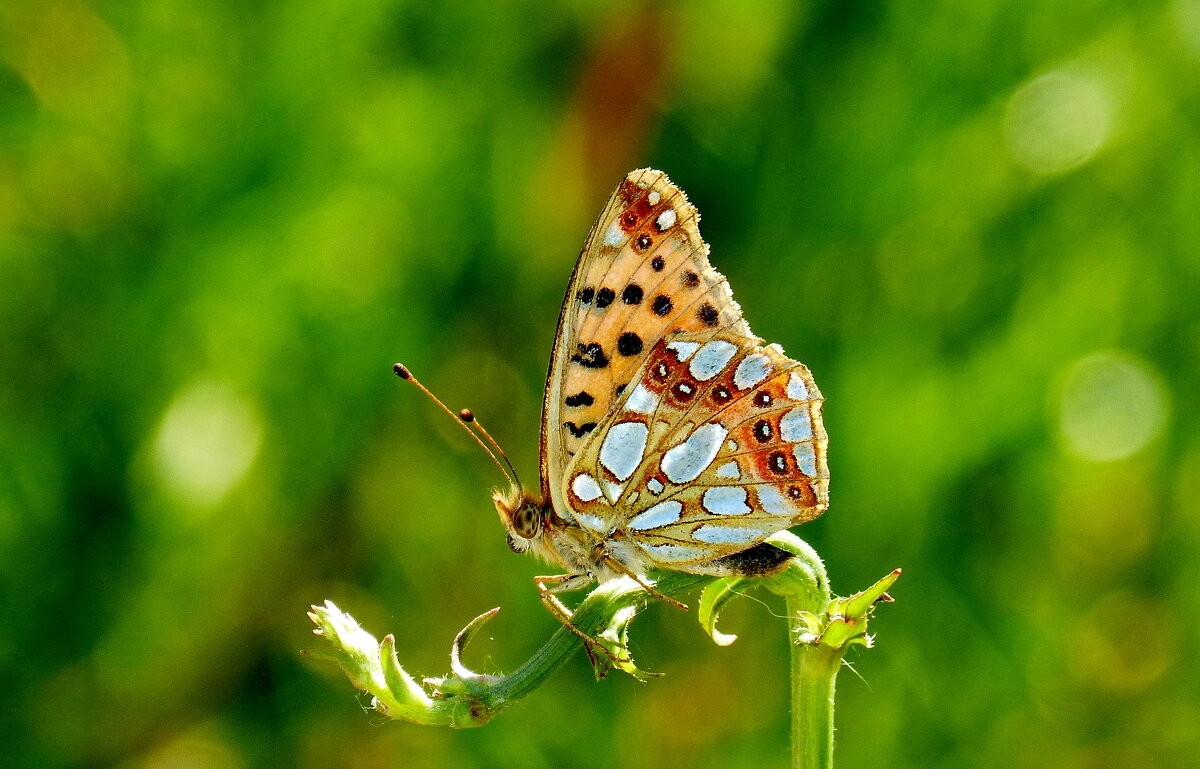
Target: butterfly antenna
{"points": [[467, 416], [402, 371]]}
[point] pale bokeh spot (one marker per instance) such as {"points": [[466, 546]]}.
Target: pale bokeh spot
{"points": [[1111, 406], [1059, 121], [207, 441]]}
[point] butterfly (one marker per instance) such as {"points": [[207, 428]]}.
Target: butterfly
{"points": [[672, 437]]}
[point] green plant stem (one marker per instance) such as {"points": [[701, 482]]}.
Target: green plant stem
{"points": [[814, 665], [463, 698], [814, 671], [820, 630]]}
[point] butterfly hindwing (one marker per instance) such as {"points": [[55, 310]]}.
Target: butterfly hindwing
{"points": [[717, 443], [643, 274]]}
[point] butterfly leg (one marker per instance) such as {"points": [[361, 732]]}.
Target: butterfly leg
{"points": [[560, 583], [618, 566]]}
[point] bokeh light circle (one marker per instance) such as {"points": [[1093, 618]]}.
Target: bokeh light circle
{"points": [[1058, 121], [207, 441], [1111, 406]]}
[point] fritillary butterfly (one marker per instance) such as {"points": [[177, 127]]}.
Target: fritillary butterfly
{"points": [[672, 438]]}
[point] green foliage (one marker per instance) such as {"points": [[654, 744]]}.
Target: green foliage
{"points": [[221, 223]]}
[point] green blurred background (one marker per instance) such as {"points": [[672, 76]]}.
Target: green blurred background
{"points": [[220, 223]]}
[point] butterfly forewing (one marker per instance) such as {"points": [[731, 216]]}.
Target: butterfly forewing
{"points": [[643, 274], [716, 444]]}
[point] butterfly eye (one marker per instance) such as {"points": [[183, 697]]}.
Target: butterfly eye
{"points": [[527, 521]]}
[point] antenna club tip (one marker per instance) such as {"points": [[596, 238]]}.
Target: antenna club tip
{"points": [[466, 415], [401, 371]]}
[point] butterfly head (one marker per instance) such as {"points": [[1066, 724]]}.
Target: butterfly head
{"points": [[523, 514]]}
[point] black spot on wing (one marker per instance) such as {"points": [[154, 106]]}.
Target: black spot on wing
{"points": [[590, 356], [662, 305], [708, 314], [629, 344], [581, 430], [581, 398], [632, 294], [605, 297]]}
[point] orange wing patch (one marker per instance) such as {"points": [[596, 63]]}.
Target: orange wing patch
{"points": [[644, 274]]}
